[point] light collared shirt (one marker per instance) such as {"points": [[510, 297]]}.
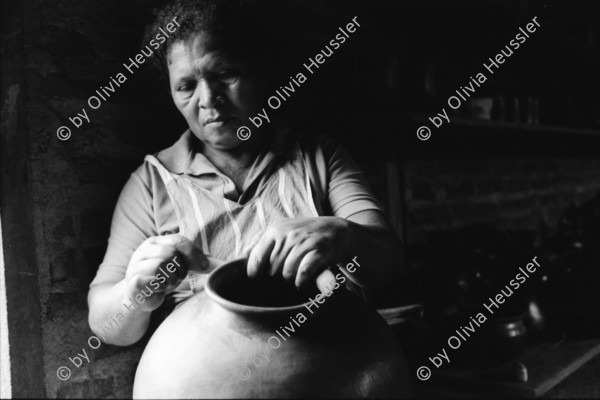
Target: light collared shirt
{"points": [[144, 208]]}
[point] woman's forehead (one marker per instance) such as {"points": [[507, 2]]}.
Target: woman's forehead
{"points": [[202, 46]]}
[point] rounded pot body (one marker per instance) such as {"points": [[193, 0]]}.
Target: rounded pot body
{"points": [[221, 344]]}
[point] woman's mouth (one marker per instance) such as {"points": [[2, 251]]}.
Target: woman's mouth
{"points": [[218, 121]]}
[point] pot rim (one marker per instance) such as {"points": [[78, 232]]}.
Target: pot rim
{"points": [[239, 307]]}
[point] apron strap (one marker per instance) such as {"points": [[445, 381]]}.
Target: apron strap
{"points": [[164, 173], [310, 199], [199, 219], [167, 178], [282, 198], [236, 228]]}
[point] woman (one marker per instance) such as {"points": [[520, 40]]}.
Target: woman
{"points": [[293, 206]]}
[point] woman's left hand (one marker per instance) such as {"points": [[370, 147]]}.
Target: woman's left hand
{"points": [[299, 248]]}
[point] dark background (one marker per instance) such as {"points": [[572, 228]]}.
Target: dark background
{"points": [[502, 181]]}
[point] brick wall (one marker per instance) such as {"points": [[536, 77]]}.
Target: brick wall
{"points": [[514, 194], [71, 50]]}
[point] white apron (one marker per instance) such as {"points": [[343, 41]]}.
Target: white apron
{"points": [[223, 228]]}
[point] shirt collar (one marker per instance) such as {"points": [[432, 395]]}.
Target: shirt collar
{"points": [[184, 156]]}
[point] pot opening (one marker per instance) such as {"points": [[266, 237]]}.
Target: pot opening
{"points": [[230, 286]]}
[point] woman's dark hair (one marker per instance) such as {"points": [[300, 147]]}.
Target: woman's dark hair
{"points": [[239, 24]]}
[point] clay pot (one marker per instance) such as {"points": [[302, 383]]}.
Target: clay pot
{"points": [[247, 338], [496, 342], [504, 340]]}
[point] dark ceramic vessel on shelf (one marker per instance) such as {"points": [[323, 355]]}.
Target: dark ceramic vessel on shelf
{"points": [[216, 345], [495, 342]]}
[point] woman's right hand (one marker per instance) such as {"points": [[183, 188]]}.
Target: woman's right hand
{"points": [[158, 256]]}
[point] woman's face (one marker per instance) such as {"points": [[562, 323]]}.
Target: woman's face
{"points": [[215, 91]]}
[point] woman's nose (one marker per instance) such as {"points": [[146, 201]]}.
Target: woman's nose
{"points": [[209, 95]]}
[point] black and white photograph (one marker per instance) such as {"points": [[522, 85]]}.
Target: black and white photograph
{"points": [[255, 199]]}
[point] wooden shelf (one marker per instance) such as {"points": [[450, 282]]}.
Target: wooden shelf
{"points": [[461, 122], [548, 364]]}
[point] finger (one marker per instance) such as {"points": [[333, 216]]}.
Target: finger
{"points": [[326, 282], [253, 242], [161, 270], [179, 242], [313, 262], [149, 266], [138, 253], [192, 254], [278, 256], [294, 258], [259, 258], [153, 250], [174, 269], [159, 297], [147, 282], [153, 302], [166, 254], [172, 239]]}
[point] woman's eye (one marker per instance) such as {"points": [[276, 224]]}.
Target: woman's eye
{"points": [[186, 87], [228, 76]]}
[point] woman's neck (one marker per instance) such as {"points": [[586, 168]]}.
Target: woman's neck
{"points": [[235, 163]]}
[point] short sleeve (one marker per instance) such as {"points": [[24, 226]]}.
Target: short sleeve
{"points": [[339, 179], [132, 223]]}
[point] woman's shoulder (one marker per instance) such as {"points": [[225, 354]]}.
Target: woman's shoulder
{"points": [[171, 158], [316, 145], [322, 154], [146, 173], [321, 150]]}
